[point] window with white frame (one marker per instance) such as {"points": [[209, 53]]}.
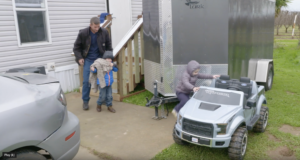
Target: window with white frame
{"points": [[32, 22]]}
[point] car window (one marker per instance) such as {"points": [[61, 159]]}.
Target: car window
{"points": [[219, 97]]}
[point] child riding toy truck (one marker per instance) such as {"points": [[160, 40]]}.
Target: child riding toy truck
{"points": [[221, 115]]}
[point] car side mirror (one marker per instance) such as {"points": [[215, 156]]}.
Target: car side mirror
{"points": [[250, 103]]}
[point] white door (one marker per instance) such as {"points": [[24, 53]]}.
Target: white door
{"points": [[120, 10]]}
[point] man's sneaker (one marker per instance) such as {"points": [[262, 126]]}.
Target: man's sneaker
{"points": [[174, 113], [85, 105]]}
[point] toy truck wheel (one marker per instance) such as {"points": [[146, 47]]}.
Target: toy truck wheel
{"points": [[270, 75], [238, 144], [178, 140], [262, 123]]}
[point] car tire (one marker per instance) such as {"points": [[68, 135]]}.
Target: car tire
{"points": [[178, 140], [238, 144], [270, 75], [262, 122], [27, 155]]}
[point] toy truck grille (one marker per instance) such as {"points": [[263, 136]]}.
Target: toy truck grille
{"points": [[197, 128]]}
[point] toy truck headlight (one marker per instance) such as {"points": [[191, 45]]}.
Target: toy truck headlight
{"points": [[179, 119], [223, 128]]}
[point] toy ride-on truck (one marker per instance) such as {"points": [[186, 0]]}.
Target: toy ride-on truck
{"points": [[220, 116]]}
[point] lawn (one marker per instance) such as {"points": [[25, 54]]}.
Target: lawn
{"points": [[283, 102]]}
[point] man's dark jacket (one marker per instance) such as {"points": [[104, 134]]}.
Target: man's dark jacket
{"points": [[83, 43]]}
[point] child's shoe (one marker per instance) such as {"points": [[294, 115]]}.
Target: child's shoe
{"points": [[174, 112]]}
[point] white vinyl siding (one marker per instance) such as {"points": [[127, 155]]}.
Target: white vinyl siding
{"points": [[66, 18], [136, 9]]}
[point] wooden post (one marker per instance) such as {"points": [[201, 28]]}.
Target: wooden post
{"points": [[124, 74], [120, 74], [130, 74], [142, 49], [136, 57]]}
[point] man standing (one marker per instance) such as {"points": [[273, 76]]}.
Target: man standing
{"points": [[91, 43]]}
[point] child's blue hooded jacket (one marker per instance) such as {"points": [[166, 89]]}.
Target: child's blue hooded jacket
{"points": [[109, 79]]}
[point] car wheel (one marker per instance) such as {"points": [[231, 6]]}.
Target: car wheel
{"points": [[262, 122], [238, 144], [270, 75], [178, 140], [27, 155]]}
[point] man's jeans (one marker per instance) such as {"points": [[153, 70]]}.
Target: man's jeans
{"points": [[105, 95], [86, 87]]}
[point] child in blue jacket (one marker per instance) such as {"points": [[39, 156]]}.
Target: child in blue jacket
{"points": [[106, 92]]}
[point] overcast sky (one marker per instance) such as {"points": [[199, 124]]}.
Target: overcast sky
{"points": [[293, 6]]}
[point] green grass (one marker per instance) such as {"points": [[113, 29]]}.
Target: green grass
{"points": [[283, 102]]}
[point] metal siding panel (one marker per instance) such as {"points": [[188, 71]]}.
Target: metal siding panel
{"points": [[78, 25], [92, 8], [5, 3], [75, 4], [72, 21], [15, 57], [6, 18], [5, 8], [7, 13], [87, 12], [58, 30], [41, 48], [8, 43], [34, 50], [8, 38], [36, 62], [69, 17], [136, 9], [9, 33], [36, 59], [63, 34], [7, 23], [57, 39]]}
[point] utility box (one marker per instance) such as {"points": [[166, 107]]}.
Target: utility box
{"points": [[224, 36]]}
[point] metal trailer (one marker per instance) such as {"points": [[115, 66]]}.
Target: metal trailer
{"points": [[229, 37]]}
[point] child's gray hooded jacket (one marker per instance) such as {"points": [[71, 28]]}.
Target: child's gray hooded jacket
{"points": [[187, 80]]}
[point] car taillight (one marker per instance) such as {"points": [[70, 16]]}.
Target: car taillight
{"points": [[62, 98], [69, 136]]}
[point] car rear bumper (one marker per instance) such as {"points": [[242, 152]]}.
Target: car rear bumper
{"points": [[202, 141], [64, 143]]}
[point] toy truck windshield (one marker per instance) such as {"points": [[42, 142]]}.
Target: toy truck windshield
{"points": [[218, 97]]}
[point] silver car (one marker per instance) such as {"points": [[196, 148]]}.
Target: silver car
{"points": [[34, 120]]}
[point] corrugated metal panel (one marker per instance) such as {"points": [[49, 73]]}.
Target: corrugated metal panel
{"points": [[66, 17], [68, 78], [136, 9]]}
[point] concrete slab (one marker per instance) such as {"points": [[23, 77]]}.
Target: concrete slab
{"points": [[85, 154], [128, 134]]}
